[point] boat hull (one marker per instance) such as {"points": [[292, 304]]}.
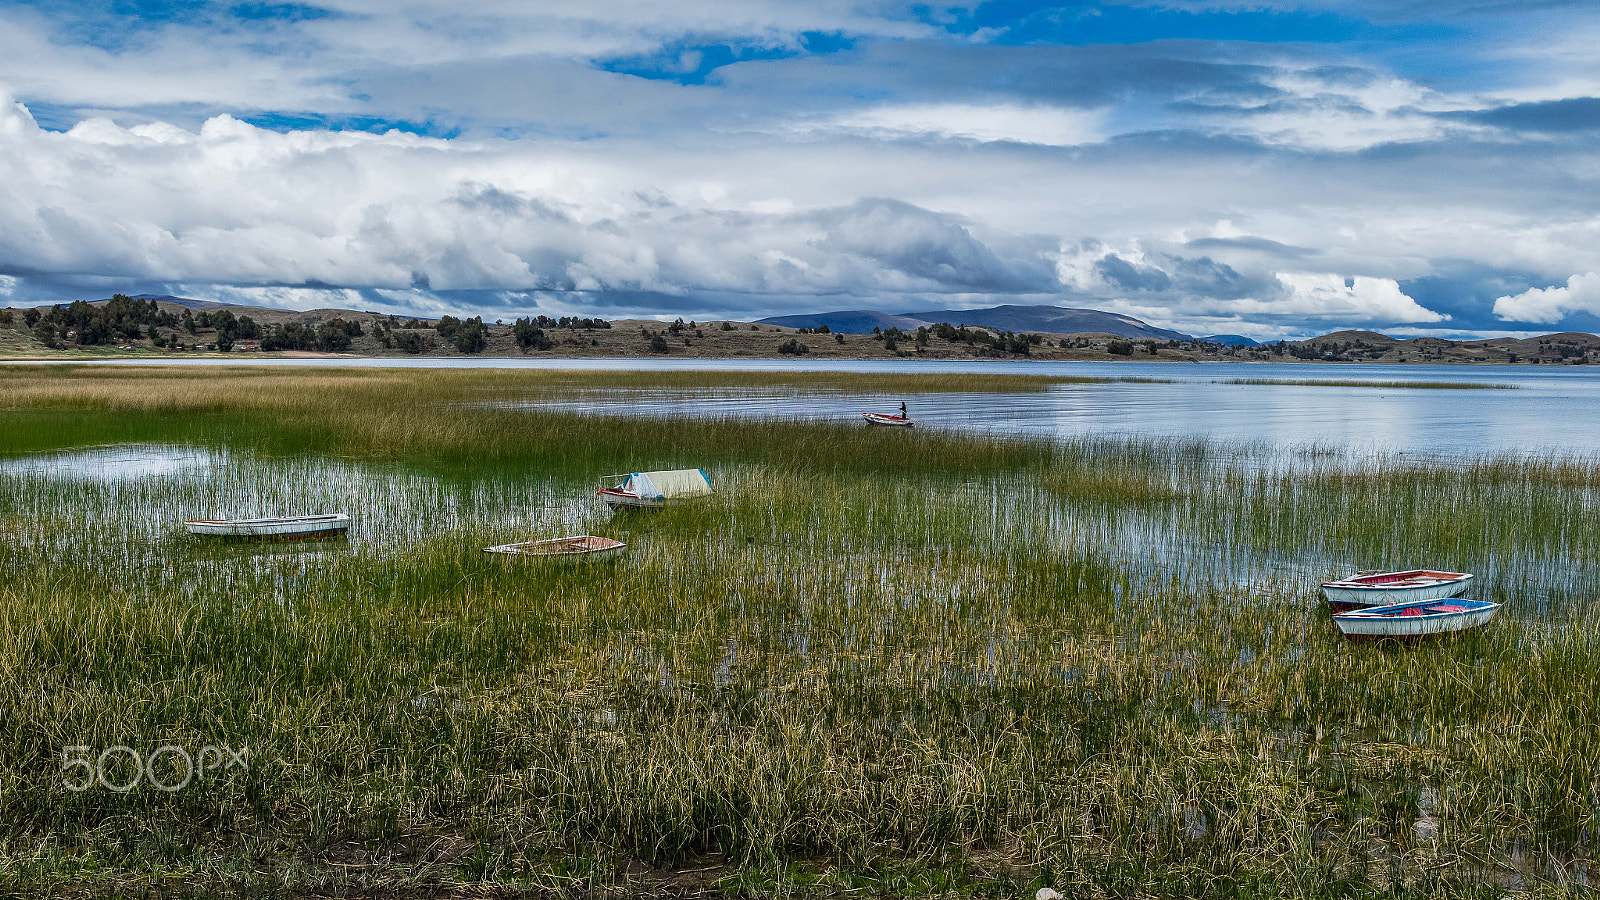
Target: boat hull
{"points": [[288, 528], [628, 500], [1389, 588], [1412, 621], [570, 549], [881, 419]]}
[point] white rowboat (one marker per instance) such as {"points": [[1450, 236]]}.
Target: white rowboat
{"points": [[1415, 620], [564, 548], [281, 528], [884, 419], [1388, 588]]}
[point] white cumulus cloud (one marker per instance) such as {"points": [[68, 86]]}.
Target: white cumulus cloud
{"points": [[233, 204], [1580, 294], [1324, 296]]}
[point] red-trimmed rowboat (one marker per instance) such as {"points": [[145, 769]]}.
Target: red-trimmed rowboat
{"points": [[585, 546], [1388, 588]]}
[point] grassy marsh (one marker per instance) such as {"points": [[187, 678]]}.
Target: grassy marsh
{"points": [[1357, 382], [908, 664]]}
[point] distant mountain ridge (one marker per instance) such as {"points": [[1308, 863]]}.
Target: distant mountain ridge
{"points": [[846, 321], [1049, 319], [1230, 340], [186, 301]]}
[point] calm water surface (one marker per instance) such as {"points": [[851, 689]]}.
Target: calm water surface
{"points": [[1551, 410]]}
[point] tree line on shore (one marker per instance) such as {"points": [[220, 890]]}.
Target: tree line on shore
{"points": [[125, 320]]}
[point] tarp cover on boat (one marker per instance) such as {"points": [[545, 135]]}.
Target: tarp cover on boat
{"points": [[669, 485]]}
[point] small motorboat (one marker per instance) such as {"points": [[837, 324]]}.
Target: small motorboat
{"points": [[1415, 620], [563, 548], [281, 528], [1388, 588], [651, 490], [903, 420]]}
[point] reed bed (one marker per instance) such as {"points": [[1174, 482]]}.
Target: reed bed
{"points": [[56, 384], [888, 382], [931, 665], [1362, 383]]}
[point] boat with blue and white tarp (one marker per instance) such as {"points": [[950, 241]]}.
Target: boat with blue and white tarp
{"points": [[650, 490]]}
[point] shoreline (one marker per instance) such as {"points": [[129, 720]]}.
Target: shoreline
{"points": [[370, 337], [720, 363]]}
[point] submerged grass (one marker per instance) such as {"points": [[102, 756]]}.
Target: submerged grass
{"points": [[895, 664]]}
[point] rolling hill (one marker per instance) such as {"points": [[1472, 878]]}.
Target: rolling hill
{"points": [[1046, 319], [186, 302]]}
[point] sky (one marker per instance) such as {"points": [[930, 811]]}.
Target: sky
{"points": [[1273, 168]]}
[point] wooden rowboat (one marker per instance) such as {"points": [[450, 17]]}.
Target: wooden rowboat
{"points": [[281, 528], [1415, 620], [564, 548], [885, 419], [1389, 588]]}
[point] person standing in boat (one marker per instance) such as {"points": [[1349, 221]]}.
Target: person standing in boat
{"points": [[903, 414]]}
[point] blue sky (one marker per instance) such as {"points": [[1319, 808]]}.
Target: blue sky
{"points": [[1277, 169]]}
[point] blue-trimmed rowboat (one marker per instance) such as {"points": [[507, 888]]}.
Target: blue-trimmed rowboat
{"points": [[1388, 588], [1416, 620], [283, 528]]}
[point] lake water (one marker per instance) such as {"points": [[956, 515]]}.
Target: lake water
{"points": [[1408, 420], [1552, 409], [124, 462]]}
